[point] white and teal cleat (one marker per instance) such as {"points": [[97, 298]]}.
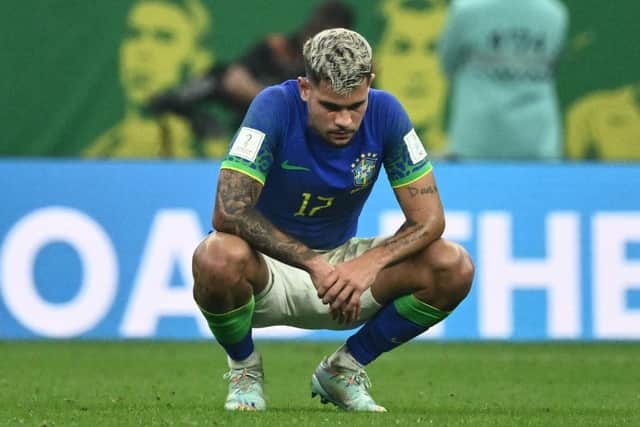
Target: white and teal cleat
{"points": [[347, 389], [245, 390]]}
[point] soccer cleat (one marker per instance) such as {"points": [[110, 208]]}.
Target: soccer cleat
{"points": [[344, 387], [245, 390]]}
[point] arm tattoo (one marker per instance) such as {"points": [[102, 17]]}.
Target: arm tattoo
{"points": [[409, 238], [423, 224], [235, 205], [426, 190], [406, 236]]}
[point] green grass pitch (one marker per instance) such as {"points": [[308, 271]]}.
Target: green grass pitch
{"points": [[77, 383]]}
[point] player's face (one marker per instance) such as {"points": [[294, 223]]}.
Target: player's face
{"points": [[156, 49], [335, 117]]}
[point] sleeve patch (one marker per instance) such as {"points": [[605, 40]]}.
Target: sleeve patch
{"points": [[247, 143], [414, 146]]}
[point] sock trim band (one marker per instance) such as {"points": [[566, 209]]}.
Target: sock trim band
{"points": [[419, 312], [233, 326]]}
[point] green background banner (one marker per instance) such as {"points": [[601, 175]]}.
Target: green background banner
{"points": [[74, 73]]}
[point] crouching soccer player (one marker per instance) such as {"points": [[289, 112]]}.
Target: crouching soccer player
{"points": [[289, 195]]}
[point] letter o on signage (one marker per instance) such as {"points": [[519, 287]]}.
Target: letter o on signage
{"points": [[17, 263]]}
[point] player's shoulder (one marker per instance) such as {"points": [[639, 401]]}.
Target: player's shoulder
{"points": [[381, 99], [384, 107], [386, 117], [278, 97], [284, 90]]}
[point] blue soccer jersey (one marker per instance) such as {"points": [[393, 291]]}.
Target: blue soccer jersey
{"points": [[314, 191]]}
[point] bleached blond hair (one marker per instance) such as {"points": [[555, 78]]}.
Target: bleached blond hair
{"points": [[338, 56]]}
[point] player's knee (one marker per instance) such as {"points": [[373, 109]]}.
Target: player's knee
{"points": [[218, 262], [453, 269], [464, 271]]}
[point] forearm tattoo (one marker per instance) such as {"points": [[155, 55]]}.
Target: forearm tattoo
{"points": [[424, 191], [407, 236], [235, 202], [412, 235]]}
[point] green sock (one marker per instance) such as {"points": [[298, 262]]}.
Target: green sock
{"points": [[419, 312], [233, 329]]}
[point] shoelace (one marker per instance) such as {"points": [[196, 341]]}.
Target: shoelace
{"points": [[357, 377], [242, 379]]}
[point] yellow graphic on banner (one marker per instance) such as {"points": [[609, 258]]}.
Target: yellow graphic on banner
{"points": [[162, 47], [408, 64], [605, 125]]}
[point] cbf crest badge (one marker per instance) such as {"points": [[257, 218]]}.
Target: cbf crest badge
{"points": [[364, 168]]}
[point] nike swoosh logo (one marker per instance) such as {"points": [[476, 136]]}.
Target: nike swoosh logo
{"points": [[286, 166]]}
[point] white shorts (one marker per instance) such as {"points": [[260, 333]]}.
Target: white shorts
{"points": [[290, 299]]}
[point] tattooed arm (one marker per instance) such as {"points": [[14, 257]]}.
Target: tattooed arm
{"points": [[235, 213], [424, 223]]}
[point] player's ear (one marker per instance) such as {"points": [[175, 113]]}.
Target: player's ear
{"points": [[305, 87], [371, 77]]}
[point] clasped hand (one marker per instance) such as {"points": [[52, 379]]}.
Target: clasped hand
{"points": [[342, 285]]}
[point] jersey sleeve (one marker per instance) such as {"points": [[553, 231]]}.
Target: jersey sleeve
{"points": [[251, 151], [405, 158]]}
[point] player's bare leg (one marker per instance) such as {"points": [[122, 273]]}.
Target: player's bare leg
{"points": [[227, 273], [416, 294]]}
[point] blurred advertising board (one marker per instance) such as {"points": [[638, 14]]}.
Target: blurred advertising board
{"points": [[102, 250]]}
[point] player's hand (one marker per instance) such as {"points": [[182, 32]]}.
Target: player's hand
{"points": [[345, 307], [346, 316], [323, 275], [338, 295], [354, 277], [330, 285]]}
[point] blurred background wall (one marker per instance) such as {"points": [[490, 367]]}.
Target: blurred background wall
{"points": [[68, 78]]}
